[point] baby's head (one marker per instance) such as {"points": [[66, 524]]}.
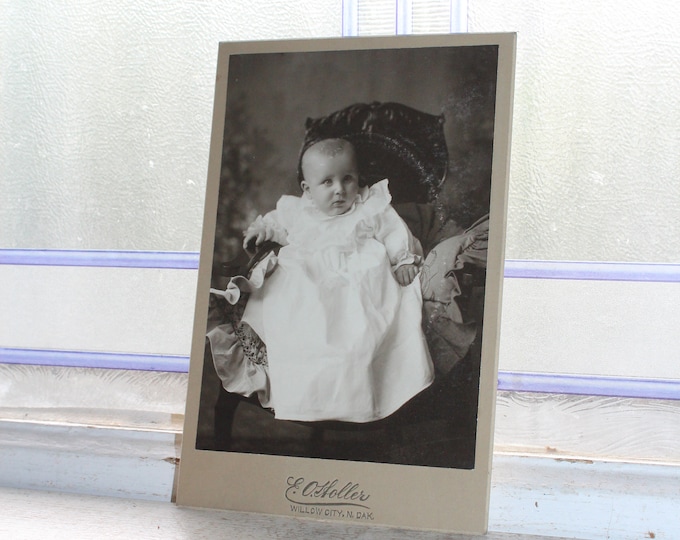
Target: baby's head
{"points": [[330, 175]]}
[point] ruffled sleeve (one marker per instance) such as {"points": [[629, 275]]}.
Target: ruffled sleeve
{"points": [[373, 200], [271, 223], [287, 211], [402, 247]]}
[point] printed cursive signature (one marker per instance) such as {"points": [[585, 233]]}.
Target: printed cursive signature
{"points": [[325, 493]]}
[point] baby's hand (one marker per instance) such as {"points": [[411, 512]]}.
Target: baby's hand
{"points": [[255, 235], [405, 274]]}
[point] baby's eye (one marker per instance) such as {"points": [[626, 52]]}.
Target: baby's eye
{"points": [[327, 182], [348, 178]]}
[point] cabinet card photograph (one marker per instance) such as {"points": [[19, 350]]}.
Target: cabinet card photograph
{"points": [[344, 357]]}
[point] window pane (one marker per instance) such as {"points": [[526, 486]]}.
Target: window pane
{"points": [[431, 17], [107, 110], [596, 128], [376, 18]]}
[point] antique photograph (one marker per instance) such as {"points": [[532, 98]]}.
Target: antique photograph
{"points": [[348, 256]]}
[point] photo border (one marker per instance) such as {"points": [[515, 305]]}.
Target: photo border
{"points": [[417, 497]]}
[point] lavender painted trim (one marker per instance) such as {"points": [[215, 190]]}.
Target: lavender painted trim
{"points": [[549, 383], [590, 385], [349, 18], [188, 260], [458, 16], [102, 360], [601, 271], [403, 23], [179, 260]]}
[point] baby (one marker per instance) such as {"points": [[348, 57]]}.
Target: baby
{"points": [[331, 181], [341, 311]]}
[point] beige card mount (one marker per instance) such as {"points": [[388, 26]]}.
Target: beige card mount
{"points": [[326, 381]]}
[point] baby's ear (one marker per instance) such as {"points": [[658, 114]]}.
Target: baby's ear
{"points": [[304, 185]]}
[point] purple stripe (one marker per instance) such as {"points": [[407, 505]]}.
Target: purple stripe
{"points": [[557, 383], [105, 258], [602, 271], [549, 383], [143, 362], [458, 16], [349, 18], [188, 260], [403, 19]]}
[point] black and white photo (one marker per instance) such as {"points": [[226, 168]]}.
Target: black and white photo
{"points": [[350, 260]]}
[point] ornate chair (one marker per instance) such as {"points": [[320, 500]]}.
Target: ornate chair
{"points": [[408, 147]]}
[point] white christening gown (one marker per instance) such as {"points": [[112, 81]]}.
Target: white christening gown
{"points": [[344, 339]]}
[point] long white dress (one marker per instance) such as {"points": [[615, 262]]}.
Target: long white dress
{"points": [[344, 339]]}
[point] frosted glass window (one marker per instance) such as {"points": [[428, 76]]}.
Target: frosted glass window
{"points": [[388, 17], [596, 123], [107, 111], [431, 17], [105, 125], [376, 18], [104, 138], [596, 128]]}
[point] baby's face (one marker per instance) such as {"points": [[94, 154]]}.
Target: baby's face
{"points": [[331, 177]]}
